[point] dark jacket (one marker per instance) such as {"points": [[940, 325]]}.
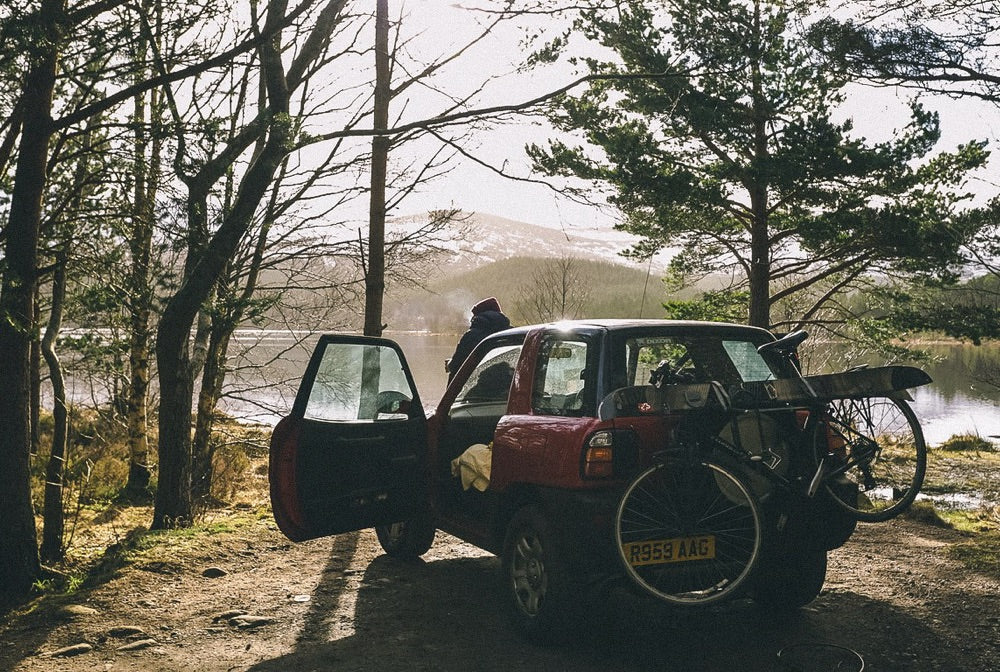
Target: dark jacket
{"points": [[482, 325]]}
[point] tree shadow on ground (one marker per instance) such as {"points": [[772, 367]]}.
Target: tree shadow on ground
{"points": [[27, 626], [447, 615], [164, 598]]}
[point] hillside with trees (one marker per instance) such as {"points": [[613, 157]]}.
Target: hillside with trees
{"points": [[532, 289]]}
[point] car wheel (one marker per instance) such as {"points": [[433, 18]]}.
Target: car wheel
{"points": [[540, 592], [790, 579], [408, 539]]}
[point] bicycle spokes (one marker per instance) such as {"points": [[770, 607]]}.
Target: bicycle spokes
{"points": [[688, 532], [876, 444]]}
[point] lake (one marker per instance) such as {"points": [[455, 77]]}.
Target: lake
{"points": [[267, 376]]}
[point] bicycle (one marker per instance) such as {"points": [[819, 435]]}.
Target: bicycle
{"points": [[862, 429], [690, 528]]}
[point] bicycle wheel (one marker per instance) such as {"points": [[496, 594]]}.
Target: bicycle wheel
{"points": [[688, 534], [876, 444]]}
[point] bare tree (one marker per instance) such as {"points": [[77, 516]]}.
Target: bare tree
{"points": [[38, 37], [148, 133], [19, 564], [52, 533], [274, 132], [557, 290]]}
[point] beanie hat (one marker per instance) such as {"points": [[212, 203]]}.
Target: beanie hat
{"points": [[486, 304]]}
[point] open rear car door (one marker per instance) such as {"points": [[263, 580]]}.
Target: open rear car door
{"points": [[352, 453]]}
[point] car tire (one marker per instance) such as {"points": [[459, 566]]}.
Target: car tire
{"points": [[539, 588], [408, 539], [790, 579]]}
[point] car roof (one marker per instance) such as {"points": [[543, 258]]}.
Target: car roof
{"points": [[627, 324]]}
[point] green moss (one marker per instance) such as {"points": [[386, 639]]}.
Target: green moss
{"points": [[971, 522], [925, 512]]}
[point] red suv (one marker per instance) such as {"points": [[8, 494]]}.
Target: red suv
{"points": [[526, 456]]}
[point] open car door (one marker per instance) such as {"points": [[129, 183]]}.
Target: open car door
{"points": [[352, 453]]}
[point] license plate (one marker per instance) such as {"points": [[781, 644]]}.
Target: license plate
{"points": [[662, 551]]}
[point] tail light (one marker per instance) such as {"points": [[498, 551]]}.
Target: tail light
{"points": [[598, 455]]}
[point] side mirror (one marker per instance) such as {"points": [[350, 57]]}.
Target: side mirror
{"points": [[392, 402]]}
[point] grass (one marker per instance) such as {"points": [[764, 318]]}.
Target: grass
{"points": [[108, 533], [971, 471], [925, 512], [972, 522], [969, 442], [966, 463], [981, 554], [164, 551]]}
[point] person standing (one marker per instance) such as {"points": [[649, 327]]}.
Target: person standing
{"points": [[487, 318]]}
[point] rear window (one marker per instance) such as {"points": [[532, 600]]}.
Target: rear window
{"points": [[692, 357]]}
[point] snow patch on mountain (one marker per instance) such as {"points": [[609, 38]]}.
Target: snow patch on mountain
{"points": [[476, 239]]}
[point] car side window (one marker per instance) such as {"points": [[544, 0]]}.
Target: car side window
{"points": [[694, 358], [489, 382], [748, 362], [356, 382], [563, 380]]}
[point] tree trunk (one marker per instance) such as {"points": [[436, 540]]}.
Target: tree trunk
{"points": [[212, 379], [760, 266], [19, 566], [52, 519], [760, 242], [173, 505], [375, 267], [35, 369], [141, 297]]}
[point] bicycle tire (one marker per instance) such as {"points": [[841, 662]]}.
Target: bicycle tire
{"points": [[689, 533], [877, 445]]}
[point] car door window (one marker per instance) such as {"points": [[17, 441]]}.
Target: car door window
{"points": [[490, 381], [358, 383], [478, 407], [563, 380]]}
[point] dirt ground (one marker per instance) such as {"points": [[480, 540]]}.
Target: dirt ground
{"points": [[250, 600]]}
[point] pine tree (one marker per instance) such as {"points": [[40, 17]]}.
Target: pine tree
{"points": [[718, 135]]}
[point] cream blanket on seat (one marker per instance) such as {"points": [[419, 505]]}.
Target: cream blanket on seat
{"points": [[473, 467]]}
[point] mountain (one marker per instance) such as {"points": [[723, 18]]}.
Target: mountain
{"points": [[430, 287], [485, 255], [477, 239]]}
